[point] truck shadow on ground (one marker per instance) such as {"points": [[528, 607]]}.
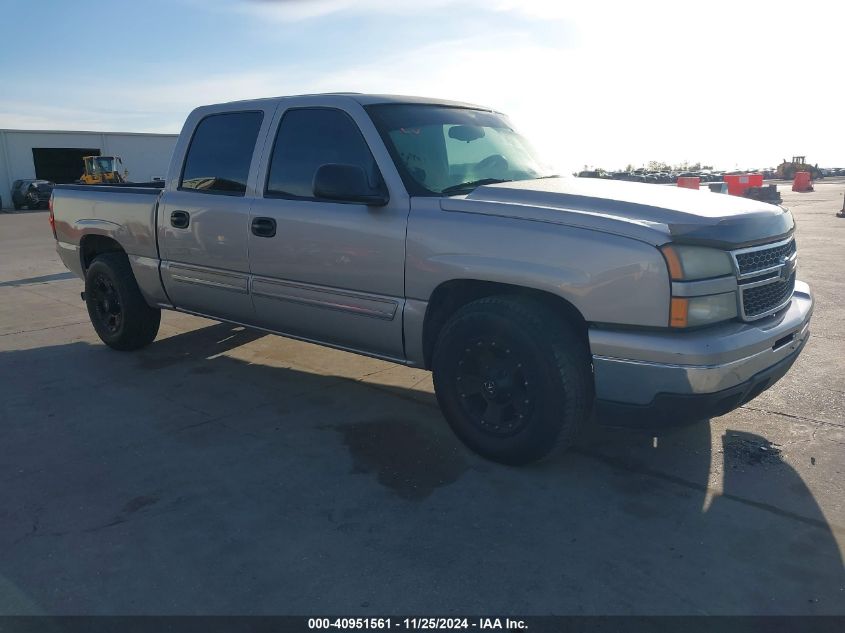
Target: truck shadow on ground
{"points": [[222, 451]]}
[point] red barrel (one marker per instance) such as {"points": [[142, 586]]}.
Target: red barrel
{"points": [[689, 182], [802, 182]]}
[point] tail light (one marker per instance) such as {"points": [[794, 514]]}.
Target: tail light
{"points": [[52, 219]]}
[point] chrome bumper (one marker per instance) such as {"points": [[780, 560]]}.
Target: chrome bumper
{"points": [[634, 367]]}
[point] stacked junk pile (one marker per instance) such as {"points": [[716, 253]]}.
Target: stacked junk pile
{"points": [[745, 185], [751, 186]]}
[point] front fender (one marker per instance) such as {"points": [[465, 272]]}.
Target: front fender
{"points": [[608, 278]]}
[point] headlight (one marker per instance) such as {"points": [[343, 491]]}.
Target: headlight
{"points": [[688, 263], [693, 311], [694, 263]]}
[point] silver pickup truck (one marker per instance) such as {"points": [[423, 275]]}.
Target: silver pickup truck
{"points": [[429, 234]]}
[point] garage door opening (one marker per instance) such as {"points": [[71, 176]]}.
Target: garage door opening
{"points": [[60, 164]]}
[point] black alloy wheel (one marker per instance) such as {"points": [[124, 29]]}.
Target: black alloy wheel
{"points": [[119, 313], [513, 378], [494, 387], [106, 301]]}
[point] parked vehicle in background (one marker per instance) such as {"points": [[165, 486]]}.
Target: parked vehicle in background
{"points": [[429, 234], [833, 171], [592, 174], [31, 193]]}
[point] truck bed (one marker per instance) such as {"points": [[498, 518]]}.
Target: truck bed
{"points": [[126, 214]]}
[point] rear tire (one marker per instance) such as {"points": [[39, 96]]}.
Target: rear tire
{"points": [[118, 311], [512, 378]]}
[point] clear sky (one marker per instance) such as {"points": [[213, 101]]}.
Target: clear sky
{"points": [[603, 83]]}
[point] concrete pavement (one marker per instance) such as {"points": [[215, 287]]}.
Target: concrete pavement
{"points": [[223, 471]]}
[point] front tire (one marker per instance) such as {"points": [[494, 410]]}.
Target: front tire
{"points": [[512, 378], [118, 311]]}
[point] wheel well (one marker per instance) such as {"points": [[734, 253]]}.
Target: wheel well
{"points": [[451, 296], [93, 245]]}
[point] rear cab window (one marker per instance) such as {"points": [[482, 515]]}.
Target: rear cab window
{"points": [[220, 153]]}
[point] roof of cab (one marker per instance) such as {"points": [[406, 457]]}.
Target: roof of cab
{"points": [[370, 99]]}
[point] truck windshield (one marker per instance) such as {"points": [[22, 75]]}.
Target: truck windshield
{"points": [[443, 150]]}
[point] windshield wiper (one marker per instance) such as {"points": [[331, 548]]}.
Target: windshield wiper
{"points": [[472, 184]]}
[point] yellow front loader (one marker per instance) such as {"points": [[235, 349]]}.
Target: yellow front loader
{"points": [[103, 170], [786, 170]]}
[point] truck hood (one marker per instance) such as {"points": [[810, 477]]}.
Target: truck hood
{"points": [[667, 213]]}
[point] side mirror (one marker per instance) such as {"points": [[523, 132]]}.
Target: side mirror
{"points": [[347, 183]]}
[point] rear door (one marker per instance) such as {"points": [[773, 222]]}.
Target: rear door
{"points": [[204, 214], [329, 271]]}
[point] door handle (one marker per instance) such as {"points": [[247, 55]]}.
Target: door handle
{"points": [[180, 219], [264, 227]]}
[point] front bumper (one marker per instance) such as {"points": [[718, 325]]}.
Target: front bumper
{"points": [[40, 198], [660, 378]]}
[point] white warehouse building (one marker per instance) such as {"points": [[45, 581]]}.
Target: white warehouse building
{"points": [[56, 155]]}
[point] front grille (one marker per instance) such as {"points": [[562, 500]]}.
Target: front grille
{"points": [[761, 299], [764, 258], [766, 277]]}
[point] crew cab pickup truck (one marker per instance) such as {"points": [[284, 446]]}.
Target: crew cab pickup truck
{"points": [[428, 233]]}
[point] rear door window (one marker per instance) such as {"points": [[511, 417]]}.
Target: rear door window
{"points": [[220, 153]]}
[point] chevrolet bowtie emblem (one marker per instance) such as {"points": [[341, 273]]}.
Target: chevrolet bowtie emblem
{"points": [[787, 268]]}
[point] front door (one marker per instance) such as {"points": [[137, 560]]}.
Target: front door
{"points": [[327, 271], [204, 223]]}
